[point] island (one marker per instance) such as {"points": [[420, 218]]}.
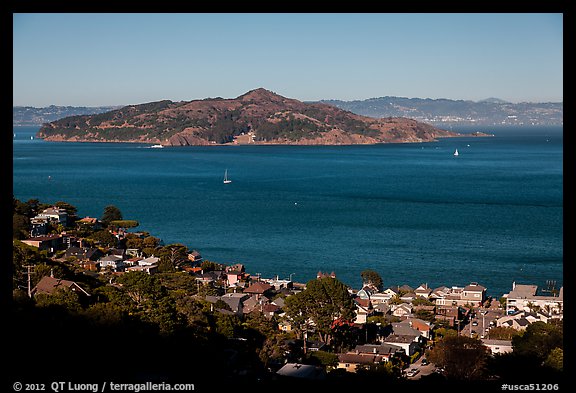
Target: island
{"points": [[257, 117]]}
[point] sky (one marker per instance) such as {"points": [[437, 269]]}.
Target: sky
{"points": [[120, 59]]}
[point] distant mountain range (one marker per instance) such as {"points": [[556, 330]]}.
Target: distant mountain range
{"points": [[31, 116], [439, 112], [444, 112], [257, 117]]}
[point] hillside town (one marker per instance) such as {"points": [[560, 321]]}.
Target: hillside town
{"points": [[397, 328]]}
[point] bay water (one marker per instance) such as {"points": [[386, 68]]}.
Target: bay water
{"points": [[415, 213]]}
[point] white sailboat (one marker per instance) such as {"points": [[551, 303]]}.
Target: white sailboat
{"points": [[456, 152], [226, 180]]}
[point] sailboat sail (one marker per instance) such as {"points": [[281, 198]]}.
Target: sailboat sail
{"points": [[226, 180]]}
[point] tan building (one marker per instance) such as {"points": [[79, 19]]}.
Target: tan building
{"points": [[525, 298]]}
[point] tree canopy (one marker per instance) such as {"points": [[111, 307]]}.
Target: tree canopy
{"points": [[111, 213], [323, 301], [370, 277], [462, 357]]}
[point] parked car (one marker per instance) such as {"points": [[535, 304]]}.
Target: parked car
{"points": [[412, 372], [425, 361], [475, 323]]}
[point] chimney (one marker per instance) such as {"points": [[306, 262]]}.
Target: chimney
{"points": [[513, 285], [374, 350]]}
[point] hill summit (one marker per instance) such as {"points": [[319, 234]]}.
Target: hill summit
{"points": [[259, 116]]}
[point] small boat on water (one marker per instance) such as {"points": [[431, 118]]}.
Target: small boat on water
{"points": [[31, 137], [226, 180], [156, 147], [456, 152]]}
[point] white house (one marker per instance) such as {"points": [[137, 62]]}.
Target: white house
{"points": [[498, 346]]}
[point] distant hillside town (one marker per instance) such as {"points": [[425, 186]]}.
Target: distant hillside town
{"points": [[444, 112]]}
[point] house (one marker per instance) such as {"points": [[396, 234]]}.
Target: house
{"points": [[363, 310], [438, 293], [235, 301], [498, 346], [233, 277], [473, 294], [278, 284], [365, 355], [150, 269], [269, 310], [409, 343], [92, 222], [285, 326], [215, 275], [352, 361], [423, 291], [365, 293], [50, 243], [450, 314], [83, 253], [120, 252], [304, 371], [38, 227], [401, 310], [195, 257], [149, 261], [520, 320], [113, 262], [408, 297], [526, 298], [401, 289], [412, 327], [48, 284], [254, 303], [55, 214], [259, 289]]}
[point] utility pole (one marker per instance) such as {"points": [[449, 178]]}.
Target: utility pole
{"points": [[28, 267]]}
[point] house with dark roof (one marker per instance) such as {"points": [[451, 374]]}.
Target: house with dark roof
{"points": [[113, 262], [83, 253], [409, 343], [47, 285], [368, 354], [259, 289]]}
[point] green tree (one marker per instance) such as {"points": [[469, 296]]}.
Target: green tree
{"points": [[111, 213], [70, 209], [370, 277], [20, 226], [142, 288], [538, 340], [462, 357], [104, 237], [60, 298], [172, 256], [323, 301], [502, 333], [555, 359]]}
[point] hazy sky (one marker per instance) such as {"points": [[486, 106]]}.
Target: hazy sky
{"points": [[120, 59]]}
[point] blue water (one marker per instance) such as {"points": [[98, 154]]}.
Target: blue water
{"points": [[412, 212]]}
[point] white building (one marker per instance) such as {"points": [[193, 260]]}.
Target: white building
{"points": [[524, 297]]}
